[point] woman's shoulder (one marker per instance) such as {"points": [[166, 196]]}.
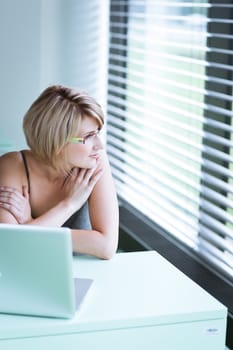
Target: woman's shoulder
{"points": [[11, 162], [10, 158], [12, 171]]}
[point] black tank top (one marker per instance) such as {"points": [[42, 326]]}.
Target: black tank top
{"points": [[26, 170]]}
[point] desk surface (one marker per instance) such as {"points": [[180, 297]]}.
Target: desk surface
{"points": [[131, 290]]}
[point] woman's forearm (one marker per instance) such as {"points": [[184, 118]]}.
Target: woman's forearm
{"points": [[92, 242], [55, 216]]}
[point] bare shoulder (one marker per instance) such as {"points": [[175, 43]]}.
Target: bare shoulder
{"points": [[11, 169], [10, 160]]}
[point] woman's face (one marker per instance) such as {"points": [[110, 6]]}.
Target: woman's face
{"points": [[85, 155]]}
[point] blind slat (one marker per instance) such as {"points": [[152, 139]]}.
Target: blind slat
{"points": [[171, 44], [218, 241], [180, 138], [173, 58], [204, 162], [175, 97]]}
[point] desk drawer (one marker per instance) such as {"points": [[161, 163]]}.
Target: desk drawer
{"points": [[208, 335]]}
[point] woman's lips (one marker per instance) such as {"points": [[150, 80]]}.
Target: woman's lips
{"points": [[95, 156]]}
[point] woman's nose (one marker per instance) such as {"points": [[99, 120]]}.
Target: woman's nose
{"points": [[98, 143]]}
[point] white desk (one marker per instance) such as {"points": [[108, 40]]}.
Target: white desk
{"points": [[137, 301]]}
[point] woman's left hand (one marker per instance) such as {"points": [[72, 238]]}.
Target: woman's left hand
{"points": [[16, 203]]}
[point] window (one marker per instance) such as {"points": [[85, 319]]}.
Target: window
{"points": [[170, 139]]}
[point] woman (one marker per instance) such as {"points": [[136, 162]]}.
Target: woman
{"points": [[64, 179]]}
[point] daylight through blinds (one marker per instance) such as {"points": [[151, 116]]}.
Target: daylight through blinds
{"points": [[170, 119]]}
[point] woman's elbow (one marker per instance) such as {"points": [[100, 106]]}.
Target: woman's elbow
{"points": [[109, 250], [108, 255]]}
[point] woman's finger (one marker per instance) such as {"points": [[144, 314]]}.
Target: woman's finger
{"points": [[95, 178], [10, 192], [71, 176], [25, 191], [11, 203], [16, 202], [86, 174], [10, 207], [16, 212], [11, 198], [9, 189]]}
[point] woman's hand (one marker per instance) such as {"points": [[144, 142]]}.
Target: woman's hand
{"points": [[79, 185], [16, 203]]}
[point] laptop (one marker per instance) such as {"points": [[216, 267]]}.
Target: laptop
{"points": [[36, 276]]}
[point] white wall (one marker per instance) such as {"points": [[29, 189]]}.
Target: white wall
{"points": [[47, 42], [84, 44]]}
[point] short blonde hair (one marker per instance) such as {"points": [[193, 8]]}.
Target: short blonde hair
{"points": [[53, 118]]}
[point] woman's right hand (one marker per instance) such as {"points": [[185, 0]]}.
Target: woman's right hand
{"points": [[79, 184], [16, 203]]}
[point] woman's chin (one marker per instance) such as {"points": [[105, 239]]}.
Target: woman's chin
{"points": [[90, 164]]}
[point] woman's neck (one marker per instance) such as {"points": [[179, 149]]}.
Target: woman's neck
{"points": [[44, 170]]}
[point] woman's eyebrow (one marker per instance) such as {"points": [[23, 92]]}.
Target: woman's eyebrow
{"points": [[90, 132]]}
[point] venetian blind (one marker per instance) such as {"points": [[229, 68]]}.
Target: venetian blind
{"points": [[170, 119]]}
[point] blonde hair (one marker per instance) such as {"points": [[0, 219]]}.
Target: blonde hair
{"points": [[53, 118]]}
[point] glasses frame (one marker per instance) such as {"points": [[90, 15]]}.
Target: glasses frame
{"points": [[83, 140], [77, 140]]}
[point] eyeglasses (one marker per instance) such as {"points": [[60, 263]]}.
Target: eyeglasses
{"points": [[86, 139]]}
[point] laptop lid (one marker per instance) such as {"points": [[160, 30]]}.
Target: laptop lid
{"points": [[36, 276]]}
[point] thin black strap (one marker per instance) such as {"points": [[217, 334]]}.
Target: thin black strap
{"points": [[26, 169]]}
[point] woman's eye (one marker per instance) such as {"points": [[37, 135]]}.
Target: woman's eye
{"points": [[92, 136], [89, 136]]}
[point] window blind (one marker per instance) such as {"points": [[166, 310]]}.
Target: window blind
{"points": [[169, 130]]}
